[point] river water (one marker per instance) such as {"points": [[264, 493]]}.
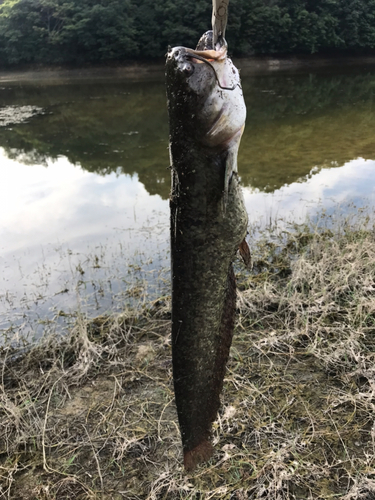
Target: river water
{"points": [[84, 182]]}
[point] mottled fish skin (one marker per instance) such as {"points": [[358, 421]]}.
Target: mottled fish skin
{"points": [[208, 224]]}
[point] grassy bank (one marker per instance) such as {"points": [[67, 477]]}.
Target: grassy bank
{"points": [[93, 416]]}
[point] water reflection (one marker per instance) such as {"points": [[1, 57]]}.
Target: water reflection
{"points": [[295, 123], [71, 239], [84, 184], [104, 128], [338, 191], [299, 123], [43, 205]]}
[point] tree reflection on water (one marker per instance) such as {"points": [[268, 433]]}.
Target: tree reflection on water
{"points": [[295, 123]]}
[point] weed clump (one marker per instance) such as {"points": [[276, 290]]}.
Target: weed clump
{"points": [[92, 415]]}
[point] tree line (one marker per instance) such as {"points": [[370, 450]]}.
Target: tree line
{"points": [[79, 31]]}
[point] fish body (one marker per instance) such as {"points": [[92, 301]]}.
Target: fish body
{"points": [[208, 223]]}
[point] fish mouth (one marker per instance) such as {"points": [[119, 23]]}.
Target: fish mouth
{"points": [[198, 56], [209, 55], [186, 59]]}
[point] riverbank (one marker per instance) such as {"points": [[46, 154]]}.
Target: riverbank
{"points": [[92, 415], [155, 68], [313, 62], [130, 71]]}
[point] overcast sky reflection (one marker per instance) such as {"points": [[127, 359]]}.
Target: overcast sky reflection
{"points": [[56, 217]]}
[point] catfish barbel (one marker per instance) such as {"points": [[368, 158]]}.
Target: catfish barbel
{"points": [[208, 224]]}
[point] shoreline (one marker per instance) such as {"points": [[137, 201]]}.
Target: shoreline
{"points": [[132, 71], [93, 414], [152, 69]]}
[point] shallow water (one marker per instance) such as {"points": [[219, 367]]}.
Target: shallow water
{"points": [[84, 181]]}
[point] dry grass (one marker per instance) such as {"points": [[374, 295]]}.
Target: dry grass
{"points": [[92, 415]]}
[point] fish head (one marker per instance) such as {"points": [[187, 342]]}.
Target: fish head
{"points": [[205, 94]]}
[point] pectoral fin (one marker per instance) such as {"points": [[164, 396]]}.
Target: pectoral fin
{"points": [[245, 253]]}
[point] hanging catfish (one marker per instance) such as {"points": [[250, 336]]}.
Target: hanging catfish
{"points": [[208, 224]]}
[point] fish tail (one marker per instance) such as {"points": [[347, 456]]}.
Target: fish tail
{"points": [[198, 455]]}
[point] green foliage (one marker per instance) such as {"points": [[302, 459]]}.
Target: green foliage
{"points": [[66, 31], [75, 31]]}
